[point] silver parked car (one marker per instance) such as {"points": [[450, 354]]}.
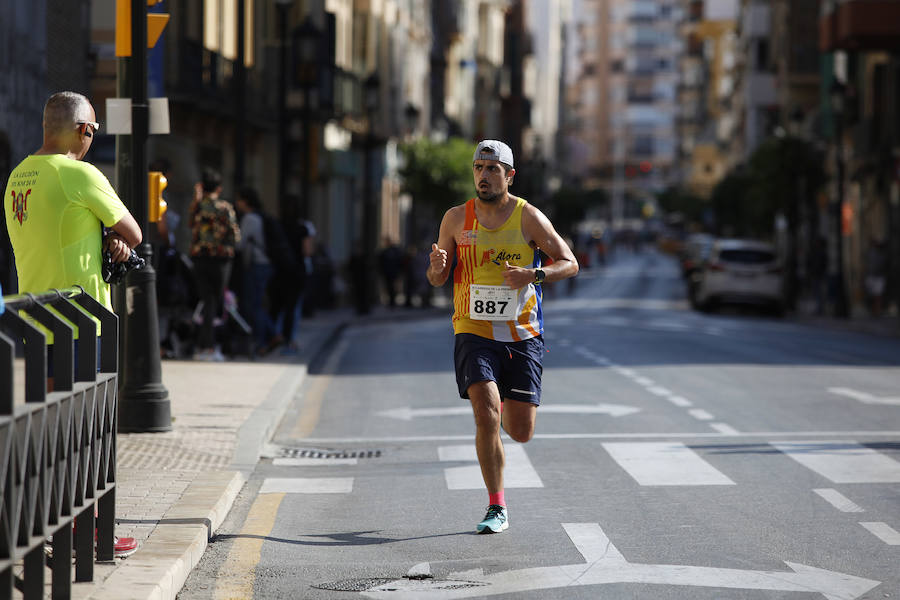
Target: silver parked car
{"points": [[741, 272]]}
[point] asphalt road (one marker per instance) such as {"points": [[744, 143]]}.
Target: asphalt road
{"points": [[677, 455]]}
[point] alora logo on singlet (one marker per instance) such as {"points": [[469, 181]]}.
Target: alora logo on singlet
{"points": [[20, 206], [502, 255]]}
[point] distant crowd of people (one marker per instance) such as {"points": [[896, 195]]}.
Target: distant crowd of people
{"points": [[249, 278]]}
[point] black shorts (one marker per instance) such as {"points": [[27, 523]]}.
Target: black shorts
{"points": [[515, 367]]}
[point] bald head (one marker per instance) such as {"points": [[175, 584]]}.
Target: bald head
{"points": [[63, 110]]}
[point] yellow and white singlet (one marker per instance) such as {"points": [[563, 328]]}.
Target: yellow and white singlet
{"points": [[483, 304]]}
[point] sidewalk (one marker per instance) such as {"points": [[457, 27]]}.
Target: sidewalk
{"points": [[174, 489]]}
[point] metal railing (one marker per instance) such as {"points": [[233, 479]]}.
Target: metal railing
{"points": [[57, 448]]}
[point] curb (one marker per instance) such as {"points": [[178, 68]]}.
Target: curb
{"points": [[158, 571]]}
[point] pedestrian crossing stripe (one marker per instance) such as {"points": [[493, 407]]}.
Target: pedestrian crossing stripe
{"points": [[648, 463], [519, 472], [307, 485], [843, 462], [664, 463]]}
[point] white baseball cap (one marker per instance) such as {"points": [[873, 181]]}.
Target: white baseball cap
{"points": [[493, 150]]}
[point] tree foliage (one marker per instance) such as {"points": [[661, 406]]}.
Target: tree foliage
{"points": [[777, 178], [570, 205], [677, 200], [438, 175]]}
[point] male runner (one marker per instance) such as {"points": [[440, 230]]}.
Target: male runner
{"points": [[497, 318]]}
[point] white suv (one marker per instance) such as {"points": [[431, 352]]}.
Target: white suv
{"points": [[743, 272]]}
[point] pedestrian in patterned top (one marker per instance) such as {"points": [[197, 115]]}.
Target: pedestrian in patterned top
{"points": [[214, 235]]}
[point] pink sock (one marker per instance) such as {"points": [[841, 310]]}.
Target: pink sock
{"points": [[497, 498]]}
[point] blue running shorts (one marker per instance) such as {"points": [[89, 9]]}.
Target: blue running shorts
{"points": [[515, 367]]}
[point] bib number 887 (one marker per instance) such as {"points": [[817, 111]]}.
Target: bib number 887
{"points": [[489, 307]]}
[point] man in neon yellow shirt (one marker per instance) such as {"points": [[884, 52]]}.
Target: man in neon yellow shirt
{"points": [[55, 205]]}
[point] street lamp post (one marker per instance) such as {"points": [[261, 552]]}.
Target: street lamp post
{"points": [[283, 7], [143, 400], [370, 218], [841, 309], [307, 46], [411, 113]]}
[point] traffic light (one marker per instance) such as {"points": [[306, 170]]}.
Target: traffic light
{"points": [[156, 206], [156, 22]]}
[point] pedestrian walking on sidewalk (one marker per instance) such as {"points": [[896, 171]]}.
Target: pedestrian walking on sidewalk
{"points": [[256, 268], [497, 321], [214, 235]]}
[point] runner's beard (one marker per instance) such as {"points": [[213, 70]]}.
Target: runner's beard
{"points": [[486, 196]]}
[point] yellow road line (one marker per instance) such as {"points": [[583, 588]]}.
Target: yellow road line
{"points": [[315, 395], [237, 573]]}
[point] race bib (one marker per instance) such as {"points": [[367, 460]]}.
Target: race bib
{"points": [[492, 303]]}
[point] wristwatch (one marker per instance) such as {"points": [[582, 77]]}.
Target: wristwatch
{"points": [[539, 276]]}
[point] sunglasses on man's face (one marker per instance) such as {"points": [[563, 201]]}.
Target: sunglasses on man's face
{"points": [[94, 125]]}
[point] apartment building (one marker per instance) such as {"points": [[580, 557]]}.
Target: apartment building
{"points": [[706, 121], [625, 98]]}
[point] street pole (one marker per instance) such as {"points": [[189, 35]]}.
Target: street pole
{"points": [[368, 224], [285, 211], [841, 309], [240, 104], [143, 400]]}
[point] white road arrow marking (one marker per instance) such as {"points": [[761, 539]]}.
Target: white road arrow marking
{"points": [[864, 397], [408, 414], [605, 564]]}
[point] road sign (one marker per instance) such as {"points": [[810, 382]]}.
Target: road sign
{"points": [[156, 22]]}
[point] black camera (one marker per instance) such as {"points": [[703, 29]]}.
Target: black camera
{"points": [[114, 272]]}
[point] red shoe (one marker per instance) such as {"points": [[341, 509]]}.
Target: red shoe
{"points": [[124, 546]]}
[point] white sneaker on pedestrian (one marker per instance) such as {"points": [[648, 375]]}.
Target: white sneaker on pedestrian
{"points": [[205, 355]]}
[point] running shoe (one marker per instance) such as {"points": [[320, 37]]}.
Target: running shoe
{"points": [[495, 521]]}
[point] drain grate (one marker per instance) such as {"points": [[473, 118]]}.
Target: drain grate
{"points": [[326, 454], [384, 584]]}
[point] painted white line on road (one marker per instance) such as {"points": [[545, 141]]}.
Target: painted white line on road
{"points": [[606, 565], [593, 544], [407, 413], [724, 428], [679, 401], [839, 501], [700, 414], [405, 439], [625, 372], [644, 381], [307, 485], [884, 532], [665, 463], [843, 462], [519, 472], [864, 397], [313, 462], [657, 390]]}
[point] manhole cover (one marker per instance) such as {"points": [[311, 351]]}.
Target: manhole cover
{"points": [[353, 585], [405, 584], [326, 453]]}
